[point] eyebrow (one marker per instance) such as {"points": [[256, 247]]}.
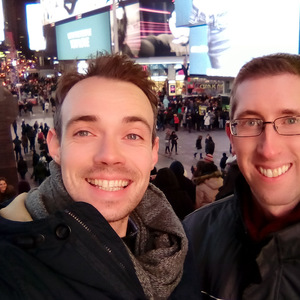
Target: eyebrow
{"points": [[93, 119], [253, 112]]}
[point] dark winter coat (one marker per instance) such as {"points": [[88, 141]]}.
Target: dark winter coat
{"points": [[230, 265]]}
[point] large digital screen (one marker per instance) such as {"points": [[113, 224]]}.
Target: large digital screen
{"points": [[36, 37], [83, 38], [54, 11], [226, 34]]}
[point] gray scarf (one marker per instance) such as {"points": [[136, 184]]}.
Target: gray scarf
{"points": [[161, 244]]}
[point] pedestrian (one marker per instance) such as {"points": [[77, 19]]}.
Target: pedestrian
{"points": [[173, 139], [167, 141], [207, 120], [96, 228], [24, 141], [198, 146], [223, 162], [246, 246], [17, 147], [22, 167], [209, 145], [15, 127], [176, 122]]}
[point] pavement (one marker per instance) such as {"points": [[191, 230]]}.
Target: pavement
{"points": [[186, 143]]}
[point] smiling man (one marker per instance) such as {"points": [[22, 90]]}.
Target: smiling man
{"points": [[247, 246], [96, 228]]}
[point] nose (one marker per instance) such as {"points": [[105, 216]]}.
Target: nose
{"points": [[109, 151], [269, 142]]}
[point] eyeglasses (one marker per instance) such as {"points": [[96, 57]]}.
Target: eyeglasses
{"points": [[249, 127]]}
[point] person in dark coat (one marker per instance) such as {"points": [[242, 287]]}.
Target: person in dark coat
{"points": [[209, 145], [17, 147], [22, 167], [167, 182], [185, 183]]}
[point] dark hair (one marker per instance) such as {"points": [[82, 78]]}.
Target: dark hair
{"points": [[269, 65], [204, 168], [115, 66]]}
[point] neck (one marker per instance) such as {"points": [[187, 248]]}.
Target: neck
{"points": [[120, 227]]}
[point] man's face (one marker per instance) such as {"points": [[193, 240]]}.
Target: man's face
{"points": [[269, 98], [3, 186], [106, 152]]}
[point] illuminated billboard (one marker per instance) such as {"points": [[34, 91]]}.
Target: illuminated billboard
{"points": [[225, 34], [82, 38]]}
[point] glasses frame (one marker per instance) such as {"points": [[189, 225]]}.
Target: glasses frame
{"points": [[231, 124]]}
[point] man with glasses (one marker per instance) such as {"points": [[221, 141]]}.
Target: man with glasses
{"points": [[247, 246]]}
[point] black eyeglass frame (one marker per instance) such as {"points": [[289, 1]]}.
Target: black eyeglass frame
{"points": [[231, 124]]}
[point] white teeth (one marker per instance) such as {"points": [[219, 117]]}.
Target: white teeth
{"points": [[274, 172], [109, 185]]}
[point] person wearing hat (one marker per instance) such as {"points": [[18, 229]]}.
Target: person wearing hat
{"points": [[209, 158], [208, 179]]}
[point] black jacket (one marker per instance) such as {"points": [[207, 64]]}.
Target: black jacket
{"points": [[230, 265], [36, 258]]}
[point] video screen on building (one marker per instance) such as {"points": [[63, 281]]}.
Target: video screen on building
{"points": [[226, 34], [83, 38], [55, 11]]}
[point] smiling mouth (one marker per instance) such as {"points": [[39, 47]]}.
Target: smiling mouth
{"points": [[271, 173], [108, 185]]}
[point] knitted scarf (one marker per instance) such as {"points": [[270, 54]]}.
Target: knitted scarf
{"points": [[161, 244]]}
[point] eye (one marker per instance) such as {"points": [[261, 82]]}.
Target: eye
{"points": [[252, 123], [133, 136], [291, 120], [82, 133]]}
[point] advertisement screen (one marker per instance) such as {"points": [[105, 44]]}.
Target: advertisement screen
{"points": [[54, 11], [35, 27], [225, 34], [82, 38]]}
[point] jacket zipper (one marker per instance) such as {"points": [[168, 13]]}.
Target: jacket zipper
{"points": [[93, 235]]}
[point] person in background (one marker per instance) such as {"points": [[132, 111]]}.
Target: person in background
{"points": [[22, 167], [209, 145], [17, 147], [198, 146], [223, 162], [208, 179], [173, 139], [185, 183], [24, 141], [167, 182], [246, 246], [96, 228], [7, 192], [167, 141]]}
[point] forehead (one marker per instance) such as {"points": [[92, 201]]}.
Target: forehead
{"points": [[105, 97], [270, 94]]}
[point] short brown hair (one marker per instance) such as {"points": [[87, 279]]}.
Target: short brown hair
{"points": [[115, 66], [269, 65]]}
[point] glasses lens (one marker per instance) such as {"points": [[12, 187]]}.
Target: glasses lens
{"points": [[246, 127], [288, 125]]}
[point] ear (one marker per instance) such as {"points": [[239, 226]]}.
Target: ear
{"points": [[228, 132], [53, 145], [155, 148]]}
